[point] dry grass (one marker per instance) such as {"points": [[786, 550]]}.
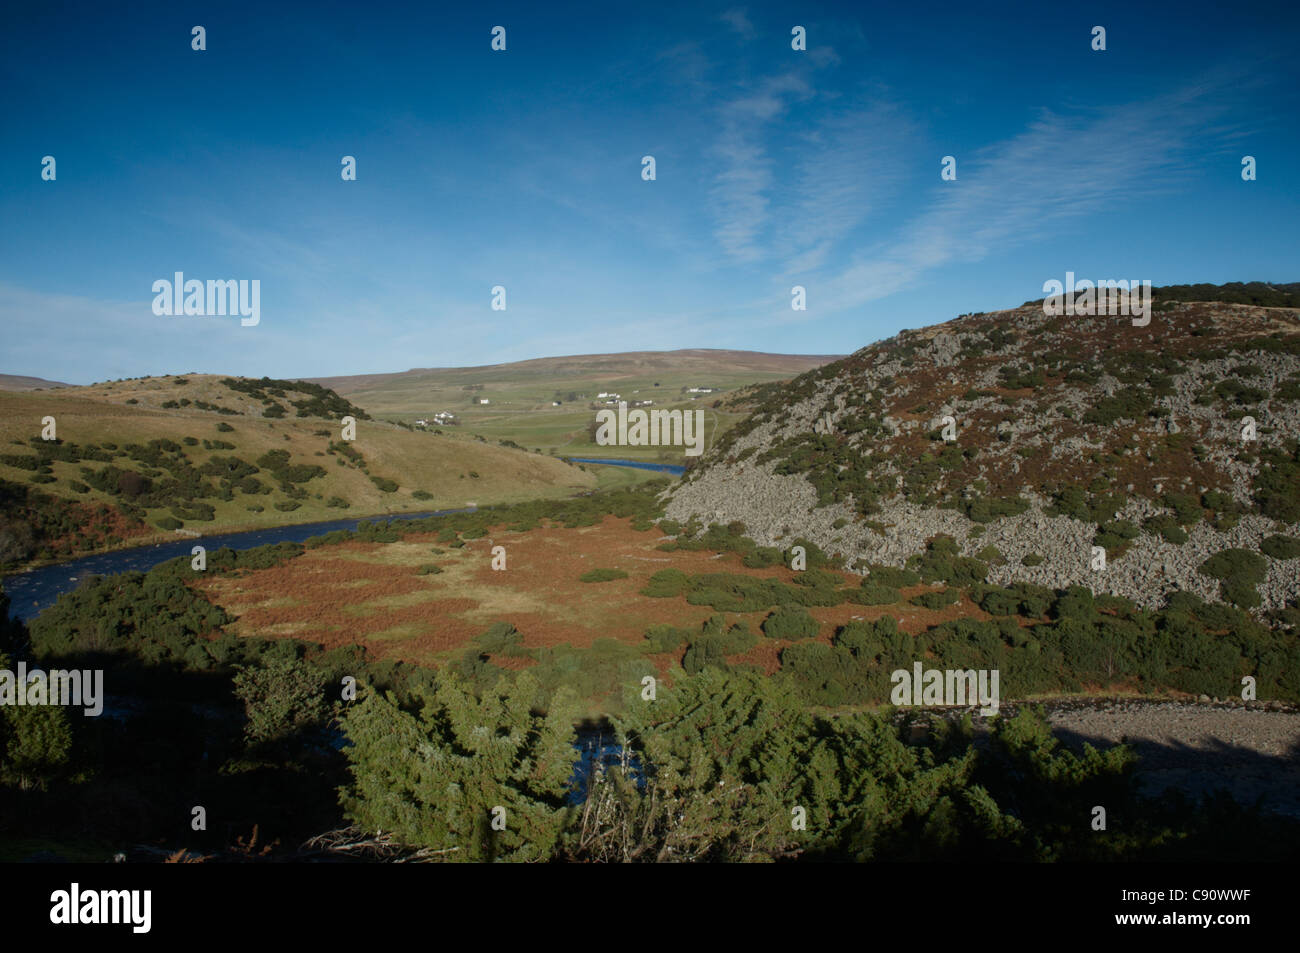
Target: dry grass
{"points": [[372, 594]]}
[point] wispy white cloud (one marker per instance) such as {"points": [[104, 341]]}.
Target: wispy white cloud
{"points": [[792, 200], [738, 20], [1065, 166], [739, 196], [1059, 169], [846, 164]]}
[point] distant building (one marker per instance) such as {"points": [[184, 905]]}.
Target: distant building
{"points": [[483, 400]]}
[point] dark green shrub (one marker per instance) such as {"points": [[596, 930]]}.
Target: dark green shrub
{"points": [[714, 643], [941, 563], [1239, 571], [666, 638], [602, 575], [1167, 527], [790, 623], [817, 578], [500, 638], [1130, 403], [1077, 601], [1186, 507], [1115, 536], [825, 675], [1277, 484], [1023, 598], [986, 510], [202, 512], [732, 592], [1281, 547], [873, 594], [705, 651], [1035, 601], [937, 599], [761, 557], [665, 583], [890, 576]]}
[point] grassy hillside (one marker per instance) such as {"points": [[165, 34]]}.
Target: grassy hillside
{"points": [[521, 395], [19, 382], [131, 460]]}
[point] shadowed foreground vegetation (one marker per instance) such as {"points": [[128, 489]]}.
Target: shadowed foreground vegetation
{"points": [[724, 764]]}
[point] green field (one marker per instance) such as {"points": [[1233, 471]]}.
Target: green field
{"points": [[521, 395]]}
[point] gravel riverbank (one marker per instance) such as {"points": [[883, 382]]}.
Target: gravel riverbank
{"points": [[1250, 750]]}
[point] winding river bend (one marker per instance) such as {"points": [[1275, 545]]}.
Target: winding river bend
{"points": [[36, 589]]}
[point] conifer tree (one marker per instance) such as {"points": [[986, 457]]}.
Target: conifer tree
{"points": [[439, 777]]}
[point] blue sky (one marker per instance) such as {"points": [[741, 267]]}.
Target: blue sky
{"points": [[523, 169]]}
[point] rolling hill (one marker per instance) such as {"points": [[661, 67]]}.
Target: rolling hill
{"points": [[1068, 435], [19, 382], [139, 459], [548, 403]]}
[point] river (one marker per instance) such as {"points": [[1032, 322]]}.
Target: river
{"points": [[36, 589], [673, 468], [30, 592]]}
